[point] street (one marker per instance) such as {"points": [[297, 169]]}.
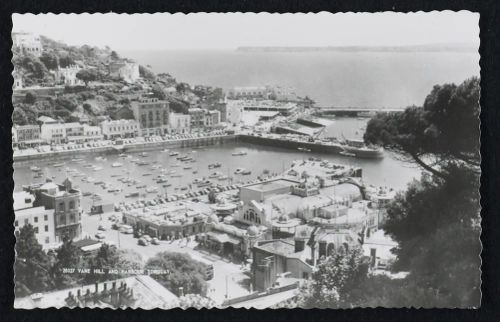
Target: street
{"points": [[228, 277]]}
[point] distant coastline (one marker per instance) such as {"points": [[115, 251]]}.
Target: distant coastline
{"points": [[401, 49]]}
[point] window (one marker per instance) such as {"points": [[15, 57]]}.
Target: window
{"points": [[305, 275], [36, 230], [26, 221], [46, 228], [71, 204], [16, 223], [47, 240], [61, 206], [36, 219], [45, 217]]}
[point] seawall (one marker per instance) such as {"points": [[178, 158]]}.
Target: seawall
{"points": [[131, 147]]}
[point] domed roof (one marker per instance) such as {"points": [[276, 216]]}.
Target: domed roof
{"points": [[252, 231]]}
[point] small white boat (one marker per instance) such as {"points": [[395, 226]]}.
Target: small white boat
{"points": [[116, 164], [35, 168], [173, 154], [239, 170], [98, 168], [240, 153], [151, 189]]}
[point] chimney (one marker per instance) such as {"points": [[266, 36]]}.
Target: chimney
{"points": [[181, 291]]}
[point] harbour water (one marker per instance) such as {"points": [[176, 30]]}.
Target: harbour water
{"points": [[381, 172]]}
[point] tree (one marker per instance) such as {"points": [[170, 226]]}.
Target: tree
{"points": [[50, 60], [30, 98], [436, 221], [445, 129], [105, 259], [32, 264], [146, 73], [334, 278], [158, 92], [87, 75], [67, 257], [114, 55], [182, 87], [183, 272]]}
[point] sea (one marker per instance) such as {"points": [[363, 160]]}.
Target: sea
{"points": [[362, 79], [332, 79]]}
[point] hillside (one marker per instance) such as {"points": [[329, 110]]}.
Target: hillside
{"points": [[103, 96]]}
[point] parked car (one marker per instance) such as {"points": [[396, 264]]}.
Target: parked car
{"points": [[147, 238], [101, 227], [100, 235], [142, 242], [155, 241]]}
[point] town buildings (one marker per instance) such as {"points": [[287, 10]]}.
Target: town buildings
{"points": [[275, 93], [152, 115], [124, 70], [212, 118], [65, 201], [53, 133], [40, 218], [119, 129], [197, 117], [67, 75], [179, 123], [297, 258], [139, 291], [28, 43], [167, 222], [26, 135]]}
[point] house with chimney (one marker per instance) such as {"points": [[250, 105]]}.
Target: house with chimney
{"points": [[296, 258], [139, 291]]}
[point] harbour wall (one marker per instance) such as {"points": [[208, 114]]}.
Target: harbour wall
{"points": [[130, 147], [314, 147]]}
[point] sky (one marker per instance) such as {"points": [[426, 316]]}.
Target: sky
{"points": [[162, 31]]}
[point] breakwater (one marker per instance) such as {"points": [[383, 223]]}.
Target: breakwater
{"points": [[291, 144], [129, 147]]}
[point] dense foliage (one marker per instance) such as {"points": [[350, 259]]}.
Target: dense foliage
{"points": [[436, 221], [32, 264], [183, 272]]}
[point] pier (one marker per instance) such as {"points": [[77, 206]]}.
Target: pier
{"points": [[355, 111]]}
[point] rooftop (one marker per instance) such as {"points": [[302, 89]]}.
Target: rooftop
{"points": [[144, 293]]}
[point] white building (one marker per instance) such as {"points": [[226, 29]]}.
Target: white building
{"points": [[234, 111], [124, 70], [27, 42], [120, 129], [92, 133], [179, 123], [18, 79], [53, 132], [40, 218], [67, 76], [277, 93]]}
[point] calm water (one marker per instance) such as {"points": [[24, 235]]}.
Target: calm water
{"points": [[366, 79], [387, 171]]}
